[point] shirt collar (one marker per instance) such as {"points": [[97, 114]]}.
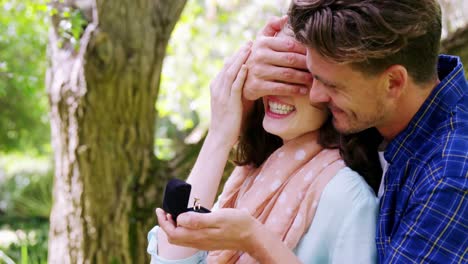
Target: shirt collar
{"points": [[434, 110]]}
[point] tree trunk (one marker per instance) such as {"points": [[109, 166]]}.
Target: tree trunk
{"points": [[456, 43], [102, 95]]}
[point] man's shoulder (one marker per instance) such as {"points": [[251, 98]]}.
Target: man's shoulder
{"points": [[447, 164], [443, 159], [448, 146], [454, 144]]}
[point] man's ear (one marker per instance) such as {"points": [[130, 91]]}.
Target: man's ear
{"points": [[396, 80]]}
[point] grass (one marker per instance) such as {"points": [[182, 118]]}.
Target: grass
{"points": [[30, 244], [25, 204]]}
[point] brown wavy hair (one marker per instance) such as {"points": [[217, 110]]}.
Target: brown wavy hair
{"points": [[372, 35], [359, 151]]}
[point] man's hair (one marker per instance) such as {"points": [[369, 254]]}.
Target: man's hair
{"points": [[372, 35]]}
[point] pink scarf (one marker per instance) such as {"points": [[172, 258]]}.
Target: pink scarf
{"points": [[283, 194]]}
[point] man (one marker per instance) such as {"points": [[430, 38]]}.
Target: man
{"points": [[376, 64]]}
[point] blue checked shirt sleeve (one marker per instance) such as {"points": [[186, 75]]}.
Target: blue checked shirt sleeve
{"points": [[433, 228]]}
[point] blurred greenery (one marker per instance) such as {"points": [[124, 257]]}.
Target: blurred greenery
{"points": [[25, 204], [183, 105], [23, 104], [207, 33], [30, 245], [25, 181]]}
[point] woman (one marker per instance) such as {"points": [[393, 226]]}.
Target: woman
{"points": [[291, 195]]}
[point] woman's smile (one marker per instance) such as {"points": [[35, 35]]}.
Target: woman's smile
{"points": [[291, 116], [278, 109]]}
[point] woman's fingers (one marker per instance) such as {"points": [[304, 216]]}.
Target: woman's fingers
{"points": [[232, 59], [221, 85], [196, 221], [227, 62], [239, 82], [164, 222], [239, 59]]}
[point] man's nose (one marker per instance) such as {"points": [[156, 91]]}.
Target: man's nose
{"points": [[318, 93]]}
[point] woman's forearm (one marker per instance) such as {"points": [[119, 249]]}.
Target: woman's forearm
{"points": [[204, 178], [226, 121], [207, 172], [172, 252]]}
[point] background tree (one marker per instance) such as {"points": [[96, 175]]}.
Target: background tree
{"points": [[182, 108], [455, 29], [457, 44], [105, 63], [207, 32]]}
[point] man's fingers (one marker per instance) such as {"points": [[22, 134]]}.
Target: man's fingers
{"points": [[281, 44], [283, 59], [280, 74], [273, 26], [276, 88]]}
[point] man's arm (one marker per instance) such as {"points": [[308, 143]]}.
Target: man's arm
{"points": [[434, 228]]}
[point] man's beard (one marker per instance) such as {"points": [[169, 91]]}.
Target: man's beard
{"points": [[353, 125]]}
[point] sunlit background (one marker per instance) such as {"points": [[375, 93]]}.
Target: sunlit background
{"points": [[207, 32]]}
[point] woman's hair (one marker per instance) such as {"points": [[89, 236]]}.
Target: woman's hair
{"points": [[372, 35], [255, 143], [359, 151]]}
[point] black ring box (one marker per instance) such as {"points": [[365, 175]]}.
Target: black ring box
{"points": [[176, 198]]}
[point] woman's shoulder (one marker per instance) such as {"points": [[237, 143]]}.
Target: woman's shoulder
{"points": [[348, 189], [344, 222]]}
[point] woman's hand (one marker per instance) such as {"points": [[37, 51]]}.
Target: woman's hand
{"points": [[227, 106], [226, 118], [226, 228], [222, 229]]}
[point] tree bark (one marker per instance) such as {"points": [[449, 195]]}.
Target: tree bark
{"points": [[102, 98], [456, 43]]}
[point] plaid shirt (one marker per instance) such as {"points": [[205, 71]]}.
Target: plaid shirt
{"points": [[423, 212]]}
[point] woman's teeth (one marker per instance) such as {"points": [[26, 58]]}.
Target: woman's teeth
{"points": [[280, 109]]}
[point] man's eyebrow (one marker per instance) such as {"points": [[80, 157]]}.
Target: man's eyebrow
{"points": [[328, 83]]}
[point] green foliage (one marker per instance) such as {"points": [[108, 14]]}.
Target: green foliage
{"points": [[70, 26], [207, 33], [25, 187], [35, 199], [31, 241], [23, 104], [25, 204]]}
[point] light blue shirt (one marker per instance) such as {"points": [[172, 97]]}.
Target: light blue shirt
{"points": [[342, 231]]}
